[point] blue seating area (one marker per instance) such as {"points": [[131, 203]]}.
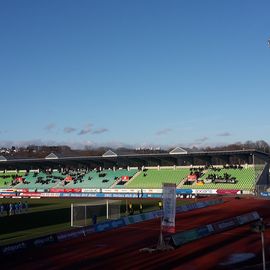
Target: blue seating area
{"points": [[100, 179]]}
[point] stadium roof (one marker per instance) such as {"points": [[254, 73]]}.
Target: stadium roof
{"points": [[2, 158], [178, 150], [109, 159], [52, 156], [109, 153]]}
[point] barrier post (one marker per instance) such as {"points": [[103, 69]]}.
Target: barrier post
{"points": [[263, 251]]}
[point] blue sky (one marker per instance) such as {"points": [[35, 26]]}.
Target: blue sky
{"points": [[134, 72]]}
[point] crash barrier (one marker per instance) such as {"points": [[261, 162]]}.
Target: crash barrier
{"points": [[100, 227], [179, 239]]}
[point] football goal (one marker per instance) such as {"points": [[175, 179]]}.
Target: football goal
{"points": [[90, 213]]}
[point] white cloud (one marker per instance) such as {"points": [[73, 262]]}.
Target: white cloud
{"points": [[87, 129], [224, 134], [69, 129], [50, 126], [203, 139], [100, 130], [163, 131]]}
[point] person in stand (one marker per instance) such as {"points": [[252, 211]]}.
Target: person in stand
{"points": [[10, 209], [6, 207], [25, 207], [94, 219], [141, 208], [20, 207], [1, 210], [14, 208], [130, 208], [160, 205]]}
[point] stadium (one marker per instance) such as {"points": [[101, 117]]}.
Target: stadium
{"points": [[93, 203], [134, 135]]}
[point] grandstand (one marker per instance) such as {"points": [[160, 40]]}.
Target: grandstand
{"points": [[56, 179], [154, 178], [39, 180], [101, 179], [6, 178], [134, 180], [243, 178], [188, 170]]}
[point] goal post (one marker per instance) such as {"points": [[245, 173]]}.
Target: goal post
{"points": [[89, 213]]}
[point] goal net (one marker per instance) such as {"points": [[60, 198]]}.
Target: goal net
{"points": [[90, 213]]}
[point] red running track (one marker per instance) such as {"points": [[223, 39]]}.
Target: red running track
{"points": [[119, 248]]}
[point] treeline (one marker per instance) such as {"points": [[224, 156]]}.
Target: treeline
{"points": [[260, 145], [64, 150]]}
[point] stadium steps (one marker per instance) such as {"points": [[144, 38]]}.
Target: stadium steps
{"points": [[115, 183], [130, 180], [181, 184]]}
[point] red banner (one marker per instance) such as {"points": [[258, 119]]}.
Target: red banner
{"points": [[63, 190], [68, 178], [125, 178], [19, 179], [2, 195], [7, 190], [192, 177], [22, 190], [57, 190], [73, 190], [227, 191], [30, 194]]}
